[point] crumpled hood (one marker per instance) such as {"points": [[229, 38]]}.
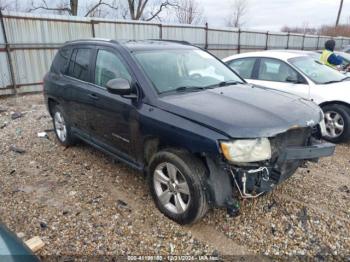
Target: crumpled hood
{"points": [[244, 111]]}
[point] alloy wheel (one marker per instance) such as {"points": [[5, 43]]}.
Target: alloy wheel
{"points": [[334, 124], [60, 126], [171, 188]]}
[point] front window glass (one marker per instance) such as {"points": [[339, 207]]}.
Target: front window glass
{"points": [[316, 71], [171, 70], [243, 66], [109, 66], [276, 70]]}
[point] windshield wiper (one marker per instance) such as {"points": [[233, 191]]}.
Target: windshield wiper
{"points": [[200, 88], [331, 82], [224, 83], [345, 78], [228, 83], [189, 88]]}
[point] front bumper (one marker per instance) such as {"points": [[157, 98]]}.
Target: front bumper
{"points": [[314, 151], [252, 181]]}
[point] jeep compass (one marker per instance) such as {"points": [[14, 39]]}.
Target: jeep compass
{"points": [[204, 137]]}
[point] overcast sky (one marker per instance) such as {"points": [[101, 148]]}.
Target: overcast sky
{"points": [[274, 14], [263, 14]]}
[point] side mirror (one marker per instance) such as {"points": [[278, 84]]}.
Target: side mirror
{"points": [[119, 86], [290, 79], [298, 80]]}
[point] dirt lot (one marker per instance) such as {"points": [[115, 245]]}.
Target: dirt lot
{"points": [[80, 202]]}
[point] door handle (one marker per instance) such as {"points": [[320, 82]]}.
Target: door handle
{"points": [[93, 96]]}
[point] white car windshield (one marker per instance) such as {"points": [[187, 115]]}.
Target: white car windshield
{"points": [[316, 71], [184, 70]]}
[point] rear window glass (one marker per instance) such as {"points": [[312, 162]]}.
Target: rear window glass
{"points": [[61, 60], [79, 64]]}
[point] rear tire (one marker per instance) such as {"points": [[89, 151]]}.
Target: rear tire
{"points": [[337, 119], [62, 128], [176, 181]]}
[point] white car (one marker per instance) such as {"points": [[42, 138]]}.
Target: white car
{"points": [[298, 73]]}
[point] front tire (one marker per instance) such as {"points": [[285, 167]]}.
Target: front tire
{"points": [[176, 181], [62, 128], [337, 120]]}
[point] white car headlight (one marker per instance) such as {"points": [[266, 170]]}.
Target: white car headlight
{"points": [[247, 150]]}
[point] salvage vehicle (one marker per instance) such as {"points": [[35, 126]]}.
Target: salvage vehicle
{"points": [[12, 249], [183, 117], [299, 73]]}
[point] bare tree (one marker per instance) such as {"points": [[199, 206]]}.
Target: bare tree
{"points": [[148, 10], [339, 12], [305, 29], [239, 9], [95, 9], [10, 5], [61, 7], [4, 5], [71, 7], [189, 12]]}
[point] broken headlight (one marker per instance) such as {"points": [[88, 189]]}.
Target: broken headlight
{"points": [[246, 150]]}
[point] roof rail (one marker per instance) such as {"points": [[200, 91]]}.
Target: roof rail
{"points": [[91, 39], [173, 41]]}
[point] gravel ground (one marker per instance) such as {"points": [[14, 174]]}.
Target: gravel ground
{"points": [[81, 203]]}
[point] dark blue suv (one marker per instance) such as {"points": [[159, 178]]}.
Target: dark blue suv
{"points": [[203, 136]]}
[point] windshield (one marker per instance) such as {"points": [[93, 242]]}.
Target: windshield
{"points": [[345, 56], [185, 69], [316, 71]]}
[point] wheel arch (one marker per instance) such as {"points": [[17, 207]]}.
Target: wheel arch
{"points": [[345, 109], [51, 103], [218, 186], [153, 144], [336, 102]]}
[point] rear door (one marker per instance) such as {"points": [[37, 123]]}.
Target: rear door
{"points": [[78, 75], [55, 82], [277, 74]]}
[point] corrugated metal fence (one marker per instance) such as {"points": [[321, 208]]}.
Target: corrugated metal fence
{"points": [[28, 42]]}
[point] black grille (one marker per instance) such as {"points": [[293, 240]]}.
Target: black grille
{"points": [[293, 137]]}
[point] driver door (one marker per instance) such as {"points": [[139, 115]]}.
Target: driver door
{"points": [[277, 74], [111, 119]]}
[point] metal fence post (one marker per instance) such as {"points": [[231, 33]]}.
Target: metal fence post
{"points": [[288, 35], [93, 28], [267, 40], [160, 31], [303, 42], [8, 54], [318, 41], [206, 36], [239, 41]]}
